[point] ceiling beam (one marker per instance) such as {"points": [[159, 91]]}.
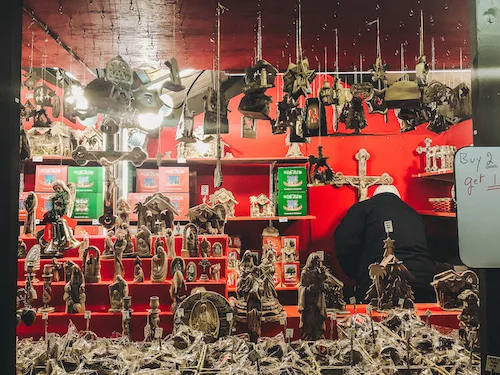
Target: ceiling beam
{"points": [[56, 38]]}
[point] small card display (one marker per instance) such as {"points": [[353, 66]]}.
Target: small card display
{"points": [[86, 179], [46, 175], [174, 179], [147, 181]]}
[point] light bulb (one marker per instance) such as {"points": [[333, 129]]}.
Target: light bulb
{"points": [[149, 121]]}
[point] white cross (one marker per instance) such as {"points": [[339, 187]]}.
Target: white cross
{"points": [[430, 155]]}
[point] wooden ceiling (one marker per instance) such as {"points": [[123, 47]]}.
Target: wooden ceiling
{"points": [[142, 31]]}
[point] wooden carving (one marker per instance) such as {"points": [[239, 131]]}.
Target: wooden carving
{"points": [[92, 265]]}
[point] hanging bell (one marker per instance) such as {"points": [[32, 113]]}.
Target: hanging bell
{"points": [[326, 94], [174, 82], [185, 127]]}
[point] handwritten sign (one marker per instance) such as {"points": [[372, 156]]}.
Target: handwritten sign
{"points": [[477, 187]]}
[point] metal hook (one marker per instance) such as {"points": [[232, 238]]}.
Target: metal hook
{"points": [[131, 7], [139, 22], [103, 15]]}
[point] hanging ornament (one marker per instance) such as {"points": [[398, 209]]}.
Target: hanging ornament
{"points": [[288, 114], [255, 104], [422, 68], [216, 120], [320, 173], [376, 103]]}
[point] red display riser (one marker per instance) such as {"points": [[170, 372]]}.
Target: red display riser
{"points": [[104, 324], [107, 267], [98, 241]]}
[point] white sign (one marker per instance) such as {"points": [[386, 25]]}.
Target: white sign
{"points": [[388, 226], [181, 160], [37, 158], [352, 300], [283, 220], [401, 302], [45, 316], [289, 333], [477, 187], [126, 314], [229, 317], [180, 311], [428, 313], [282, 320], [369, 309], [204, 190], [321, 255], [95, 222], [333, 315], [492, 364]]}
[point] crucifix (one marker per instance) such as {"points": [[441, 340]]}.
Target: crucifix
{"points": [[362, 182], [108, 159], [430, 155]]}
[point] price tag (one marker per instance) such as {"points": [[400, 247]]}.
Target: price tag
{"points": [[321, 255], [401, 302], [29, 95], [492, 364], [352, 300], [87, 315], [388, 226], [147, 331], [204, 190], [282, 320], [289, 333], [126, 314], [181, 160], [180, 311], [37, 221], [428, 313], [37, 158], [369, 309], [229, 317], [158, 333], [333, 315], [283, 220], [45, 316], [95, 222]]}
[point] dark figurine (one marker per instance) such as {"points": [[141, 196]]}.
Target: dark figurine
{"points": [[312, 305], [319, 170]]}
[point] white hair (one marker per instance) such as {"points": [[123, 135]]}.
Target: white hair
{"points": [[387, 189]]}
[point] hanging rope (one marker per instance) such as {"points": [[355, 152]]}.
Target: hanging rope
{"points": [[337, 52]]}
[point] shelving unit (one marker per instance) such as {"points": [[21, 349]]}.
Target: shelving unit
{"points": [[437, 214], [441, 175]]}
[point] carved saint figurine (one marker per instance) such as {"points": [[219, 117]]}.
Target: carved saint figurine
{"points": [[21, 249], [108, 245], [312, 305], [143, 241], [169, 237], [159, 266], [190, 240], [178, 290], [117, 290], [47, 289], [30, 204], [123, 212], [91, 265], [138, 271], [215, 272], [126, 316], [74, 292], [205, 248], [205, 267], [57, 270], [119, 248]]}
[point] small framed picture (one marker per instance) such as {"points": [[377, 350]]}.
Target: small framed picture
{"points": [[291, 273], [274, 243], [290, 241], [248, 127]]}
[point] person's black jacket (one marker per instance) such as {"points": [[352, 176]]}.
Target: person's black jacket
{"points": [[359, 243]]}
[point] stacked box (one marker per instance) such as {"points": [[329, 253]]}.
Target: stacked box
{"points": [[88, 205], [45, 175], [291, 196], [181, 203], [174, 179], [44, 204], [86, 179], [147, 181]]}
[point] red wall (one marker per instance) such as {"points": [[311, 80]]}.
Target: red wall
{"points": [[390, 152]]}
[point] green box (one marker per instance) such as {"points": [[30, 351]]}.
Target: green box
{"points": [[88, 205], [292, 203], [292, 179], [86, 179]]}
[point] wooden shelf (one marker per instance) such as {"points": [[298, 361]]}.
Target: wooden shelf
{"points": [[229, 161], [278, 289], [437, 214], [442, 175], [282, 219]]}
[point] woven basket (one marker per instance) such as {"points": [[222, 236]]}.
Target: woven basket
{"points": [[442, 204]]}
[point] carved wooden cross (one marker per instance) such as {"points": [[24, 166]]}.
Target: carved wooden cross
{"points": [[107, 159], [446, 154], [430, 155], [362, 182]]}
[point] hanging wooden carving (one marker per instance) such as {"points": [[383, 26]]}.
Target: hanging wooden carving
{"points": [[319, 170], [314, 118], [210, 122]]}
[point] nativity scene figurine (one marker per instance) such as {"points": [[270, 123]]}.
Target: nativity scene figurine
{"points": [[156, 213], [225, 198], [261, 206], [208, 219]]}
